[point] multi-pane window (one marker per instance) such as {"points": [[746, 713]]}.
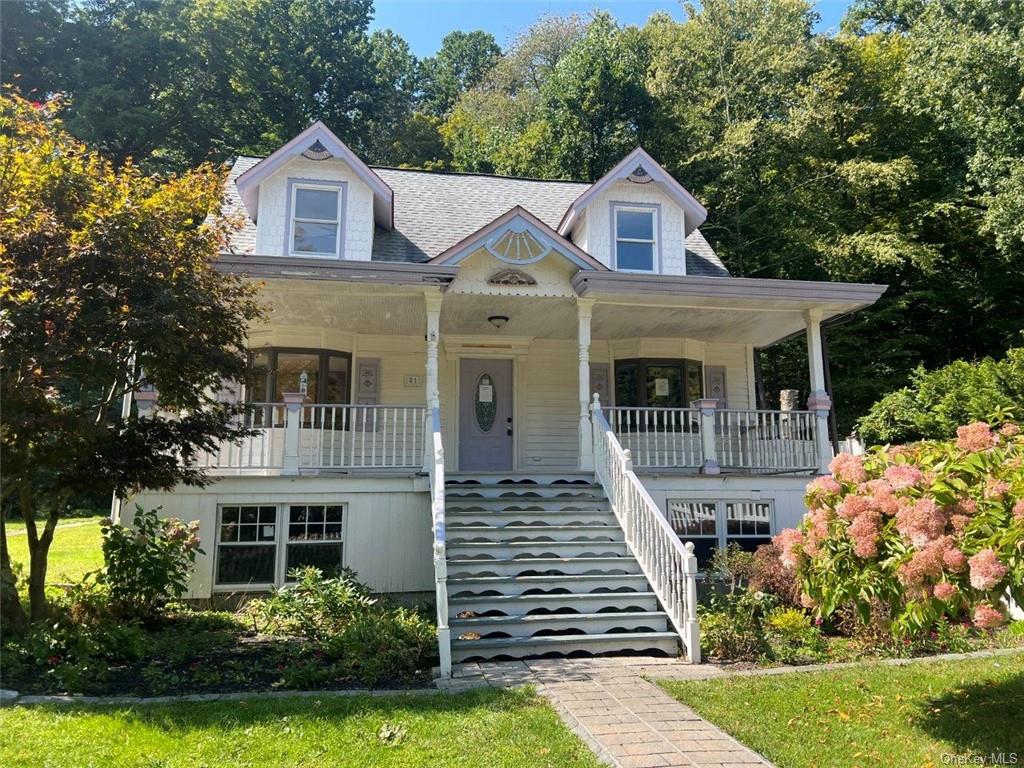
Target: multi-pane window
{"points": [[247, 545], [636, 243], [716, 524], [652, 383], [314, 537], [316, 219], [258, 545], [279, 370]]}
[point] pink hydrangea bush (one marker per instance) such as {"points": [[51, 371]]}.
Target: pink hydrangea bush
{"points": [[929, 530]]}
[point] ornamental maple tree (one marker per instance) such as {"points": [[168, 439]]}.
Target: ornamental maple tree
{"points": [[109, 284]]}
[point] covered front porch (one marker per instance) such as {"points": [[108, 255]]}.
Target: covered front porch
{"points": [[516, 364]]}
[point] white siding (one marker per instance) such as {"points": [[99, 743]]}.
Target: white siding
{"points": [[598, 233], [739, 375], [551, 405], [387, 523], [786, 492], [357, 227]]}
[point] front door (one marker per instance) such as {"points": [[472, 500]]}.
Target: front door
{"points": [[485, 415]]}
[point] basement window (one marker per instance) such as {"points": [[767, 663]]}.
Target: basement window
{"points": [[258, 545], [712, 525]]}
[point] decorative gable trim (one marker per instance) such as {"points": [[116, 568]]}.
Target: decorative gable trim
{"points": [[511, 277], [640, 168], [517, 237], [317, 143]]}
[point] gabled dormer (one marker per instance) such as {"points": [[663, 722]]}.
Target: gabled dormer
{"points": [[313, 198], [636, 218]]}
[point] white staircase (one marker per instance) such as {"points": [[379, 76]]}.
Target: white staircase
{"points": [[538, 565]]}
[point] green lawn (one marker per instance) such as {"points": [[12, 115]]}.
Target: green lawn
{"points": [[75, 550], [480, 728], [871, 715]]}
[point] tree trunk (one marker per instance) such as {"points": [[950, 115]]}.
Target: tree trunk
{"points": [[39, 551], [12, 614]]}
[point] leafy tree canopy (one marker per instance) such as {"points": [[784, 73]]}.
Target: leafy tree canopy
{"points": [[109, 284]]}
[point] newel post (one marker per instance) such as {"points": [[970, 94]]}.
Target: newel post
{"points": [[691, 627], [821, 404], [292, 417], [707, 406]]}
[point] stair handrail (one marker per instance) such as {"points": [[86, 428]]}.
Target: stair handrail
{"points": [[434, 460], [669, 565]]}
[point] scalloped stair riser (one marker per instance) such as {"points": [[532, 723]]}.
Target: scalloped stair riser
{"points": [[537, 566]]}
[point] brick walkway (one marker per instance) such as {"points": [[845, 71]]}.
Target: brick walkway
{"points": [[626, 720]]}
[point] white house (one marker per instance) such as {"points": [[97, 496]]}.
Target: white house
{"points": [[518, 395]]}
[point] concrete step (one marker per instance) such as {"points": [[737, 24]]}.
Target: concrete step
{"points": [[521, 605], [513, 550], [528, 566], [533, 505], [566, 645], [518, 585], [501, 518], [511, 533], [539, 625]]}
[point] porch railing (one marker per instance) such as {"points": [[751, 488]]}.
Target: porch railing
{"points": [[291, 437], [659, 437], [766, 441], [669, 565], [714, 439], [256, 454], [361, 436], [434, 466]]}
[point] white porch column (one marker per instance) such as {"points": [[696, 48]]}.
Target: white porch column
{"points": [[708, 446], [433, 301], [818, 401], [584, 313]]}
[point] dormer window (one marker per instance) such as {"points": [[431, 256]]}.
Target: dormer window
{"points": [[315, 223], [636, 237]]}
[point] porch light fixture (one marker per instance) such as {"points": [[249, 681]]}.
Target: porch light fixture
{"points": [[498, 321]]}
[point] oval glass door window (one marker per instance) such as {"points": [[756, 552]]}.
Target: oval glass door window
{"points": [[485, 405]]}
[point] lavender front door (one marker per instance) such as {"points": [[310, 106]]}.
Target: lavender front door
{"points": [[485, 415]]}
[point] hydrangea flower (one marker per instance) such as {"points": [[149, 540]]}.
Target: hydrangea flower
{"points": [[902, 476], [787, 541], [863, 532], [987, 617], [945, 591], [986, 570], [848, 468], [921, 523], [975, 437]]}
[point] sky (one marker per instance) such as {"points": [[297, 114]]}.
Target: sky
{"points": [[422, 23]]}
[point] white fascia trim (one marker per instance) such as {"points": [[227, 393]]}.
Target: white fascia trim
{"points": [[248, 183]]}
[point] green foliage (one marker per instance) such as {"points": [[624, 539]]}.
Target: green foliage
{"points": [[914, 534], [463, 61], [792, 637], [731, 626], [147, 563], [937, 401], [353, 636], [109, 284]]}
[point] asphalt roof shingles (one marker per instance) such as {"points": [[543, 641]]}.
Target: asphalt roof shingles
{"points": [[433, 211]]}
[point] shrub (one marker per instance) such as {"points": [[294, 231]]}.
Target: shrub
{"points": [[769, 574], [920, 532], [730, 626], [353, 635], [731, 567], [792, 636], [147, 564], [938, 401]]}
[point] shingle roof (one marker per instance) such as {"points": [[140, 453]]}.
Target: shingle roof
{"points": [[433, 211]]}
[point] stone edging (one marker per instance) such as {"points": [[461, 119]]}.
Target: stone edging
{"points": [[10, 698]]}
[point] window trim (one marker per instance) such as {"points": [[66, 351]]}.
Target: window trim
{"points": [[280, 542], [341, 187], [321, 379], [642, 363], [654, 209], [721, 536]]}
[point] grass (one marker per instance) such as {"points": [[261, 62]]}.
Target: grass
{"points": [[74, 552], [871, 715], [493, 728]]}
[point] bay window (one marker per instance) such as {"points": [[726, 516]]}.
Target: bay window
{"points": [[655, 383], [279, 370]]}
